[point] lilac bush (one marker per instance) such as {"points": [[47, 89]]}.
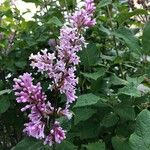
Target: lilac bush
{"points": [[59, 67]]}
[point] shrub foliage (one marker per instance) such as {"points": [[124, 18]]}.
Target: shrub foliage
{"points": [[112, 109]]}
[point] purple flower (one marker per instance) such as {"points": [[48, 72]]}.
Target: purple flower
{"points": [[60, 68], [68, 85], [35, 129], [49, 140], [49, 110], [35, 114], [65, 112], [52, 43], [43, 61], [26, 91], [90, 7], [83, 17], [31, 94], [58, 132]]}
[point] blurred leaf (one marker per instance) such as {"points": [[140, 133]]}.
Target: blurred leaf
{"points": [[82, 114], [105, 30], [125, 111], [109, 120], [5, 91], [95, 75], [120, 143], [33, 1], [96, 146], [65, 123], [123, 16], [67, 3], [146, 39], [86, 100], [131, 87], [29, 144], [140, 139], [136, 81], [129, 38], [21, 64], [117, 81], [65, 145], [130, 90], [89, 56], [55, 21], [103, 3], [87, 129], [4, 105]]}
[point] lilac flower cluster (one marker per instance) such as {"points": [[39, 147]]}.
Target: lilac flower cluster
{"points": [[60, 68], [41, 110]]}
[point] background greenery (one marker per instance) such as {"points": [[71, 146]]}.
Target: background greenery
{"points": [[112, 111]]}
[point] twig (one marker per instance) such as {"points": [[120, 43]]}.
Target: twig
{"points": [[114, 39]]}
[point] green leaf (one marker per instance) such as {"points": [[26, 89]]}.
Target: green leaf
{"points": [[104, 3], [140, 139], [21, 64], [86, 100], [4, 105], [125, 111], [129, 38], [67, 3], [96, 146], [120, 143], [87, 129], [89, 56], [104, 29], [65, 123], [117, 81], [33, 1], [65, 145], [109, 120], [123, 16], [29, 144], [146, 39], [55, 21], [95, 75], [5, 91], [131, 87], [130, 90], [136, 81], [106, 57], [82, 114]]}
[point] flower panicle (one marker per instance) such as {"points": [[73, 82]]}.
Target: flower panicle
{"points": [[60, 68]]}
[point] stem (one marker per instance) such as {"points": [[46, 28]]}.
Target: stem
{"points": [[114, 39], [54, 146], [111, 24], [53, 126], [67, 7], [10, 43], [54, 115], [2, 76]]}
